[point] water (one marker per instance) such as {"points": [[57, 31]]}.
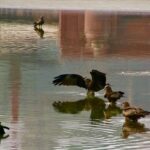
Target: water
{"points": [[43, 116]]}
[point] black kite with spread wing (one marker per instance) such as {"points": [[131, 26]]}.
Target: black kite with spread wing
{"points": [[95, 84]]}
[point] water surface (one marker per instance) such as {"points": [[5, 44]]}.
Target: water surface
{"points": [[43, 116]]}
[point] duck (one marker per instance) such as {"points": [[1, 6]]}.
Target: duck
{"points": [[132, 113], [111, 95], [39, 23], [95, 84]]}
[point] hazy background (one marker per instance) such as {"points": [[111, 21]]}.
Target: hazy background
{"points": [[104, 5]]}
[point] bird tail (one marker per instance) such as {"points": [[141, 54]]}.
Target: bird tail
{"points": [[121, 93], [147, 112]]}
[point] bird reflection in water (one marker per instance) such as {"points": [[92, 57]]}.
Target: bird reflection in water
{"points": [[3, 134], [129, 128], [39, 31], [96, 105], [69, 107], [2, 137], [132, 114], [112, 110]]}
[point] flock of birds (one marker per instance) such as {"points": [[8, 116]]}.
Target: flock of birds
{"points": [[97, 83]]}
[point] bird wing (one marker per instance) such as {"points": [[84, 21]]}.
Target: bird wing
{"points": [[99, 78], [130, 111], [122, 93], [116, 94], [70, 79], [140, 111]]}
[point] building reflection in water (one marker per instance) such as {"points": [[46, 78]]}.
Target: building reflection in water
{"points": [[94, 34], [99, 30], [15, 79], [71, 26]]}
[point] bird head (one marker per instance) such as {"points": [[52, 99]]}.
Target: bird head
{"points": [[107, 87], [125, 104]]}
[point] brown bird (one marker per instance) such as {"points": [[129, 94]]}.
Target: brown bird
{"points": [[133, 113], [93, 85], [39, 23], [111, 95]]}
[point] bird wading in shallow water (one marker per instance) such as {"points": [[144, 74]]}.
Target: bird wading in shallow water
{"points": [[111, 95], [39, 23], [2, 131], [133, 113], [93, 85]]}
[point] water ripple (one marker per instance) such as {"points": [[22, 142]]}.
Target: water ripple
{"points": [[135, 73], [81, 135]]}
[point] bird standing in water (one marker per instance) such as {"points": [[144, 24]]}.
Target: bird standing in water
{"points": [[2, 131], [39, 23], [133, 113], [111, 95], [93, 85]]}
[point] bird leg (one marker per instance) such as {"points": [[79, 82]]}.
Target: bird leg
{"points": [[90, 93]]}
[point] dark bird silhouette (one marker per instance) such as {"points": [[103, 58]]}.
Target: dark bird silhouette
{"points": [[95, 105], [95, 84], [2, 131], [111, 95], [39, 23], [70, 107], [133, 113], [39, 31]]}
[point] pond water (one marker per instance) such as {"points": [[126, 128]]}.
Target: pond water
{"points": [[43, 116]]}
